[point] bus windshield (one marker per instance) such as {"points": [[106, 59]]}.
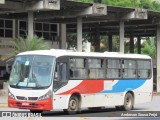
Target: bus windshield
{"points": [[31, 71]]}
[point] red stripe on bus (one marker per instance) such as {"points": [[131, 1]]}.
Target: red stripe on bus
{"points": [[87, 87]]}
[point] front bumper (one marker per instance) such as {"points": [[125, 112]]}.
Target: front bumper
{"points": [[32, 105]]}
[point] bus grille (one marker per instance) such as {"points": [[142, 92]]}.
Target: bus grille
{"points": [[21, 98], [25, 98], [32, 98]]}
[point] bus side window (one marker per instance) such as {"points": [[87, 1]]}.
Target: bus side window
{"points": [[63, 71], [92, 73], [60, 72], [138, 74], [71, 73], [60, 76], [56, 73], [148, 73]]}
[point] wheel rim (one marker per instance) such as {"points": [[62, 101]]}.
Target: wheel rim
{"points": [[128, 102], [72, 104]]}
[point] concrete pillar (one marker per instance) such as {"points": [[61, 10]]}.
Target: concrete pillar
{"points": [[30, 24], [158, 58], [110, 43], [121, 36], [2, 1], [79, 34], [17, 34], [63, 36], [14, 29], [139, 44], [131, 43]]}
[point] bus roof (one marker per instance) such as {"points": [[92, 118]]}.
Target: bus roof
{"points": [[59, 52]]}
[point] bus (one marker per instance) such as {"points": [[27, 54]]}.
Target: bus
{"points": [[46, 80]]}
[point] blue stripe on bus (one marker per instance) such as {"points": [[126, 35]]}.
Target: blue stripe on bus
{"points": [[125, 85]]}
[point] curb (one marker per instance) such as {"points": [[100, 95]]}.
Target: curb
{"points": [[3, 105], [156, 94], [3, 92]]}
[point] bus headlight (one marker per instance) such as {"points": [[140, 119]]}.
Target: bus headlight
{"points": [[46, 96], [11, 95]]}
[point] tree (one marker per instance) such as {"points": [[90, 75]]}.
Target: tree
{"points": [[26, 44], [115, 43], [146, 4], [148, 47], [71, 40], [156, 6], [86, 1]]}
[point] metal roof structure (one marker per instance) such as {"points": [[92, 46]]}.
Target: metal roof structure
{"points": [[94, 18], [139, 22]]}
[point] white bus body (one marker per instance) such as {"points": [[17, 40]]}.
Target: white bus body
{"points": [[120, 80]]}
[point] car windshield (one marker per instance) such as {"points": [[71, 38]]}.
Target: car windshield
{"points": [[31, 71]]}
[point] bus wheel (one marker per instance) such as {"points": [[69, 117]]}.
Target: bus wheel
{"points": [[73, 105], [36, 111], [128, 102]]}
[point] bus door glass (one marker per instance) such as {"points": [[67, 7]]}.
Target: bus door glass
{"points": [[60, 76]]}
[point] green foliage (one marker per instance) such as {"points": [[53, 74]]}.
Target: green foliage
{"points": [[115, 43], [103, 42], [146, 4], [124, 3], [89, 1], [85, 1], [156, 6], [71, 40], [127, 47], [148, 47], [26, 44]]}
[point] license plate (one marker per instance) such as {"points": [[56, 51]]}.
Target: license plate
{"points": [[25, 104]]}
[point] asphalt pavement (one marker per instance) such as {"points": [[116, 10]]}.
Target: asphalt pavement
{"points": [[86, 115], [4, 95]]}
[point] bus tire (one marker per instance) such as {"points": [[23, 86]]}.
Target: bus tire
{"points": [[128, 102], [36, 111], [73, 105]]}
